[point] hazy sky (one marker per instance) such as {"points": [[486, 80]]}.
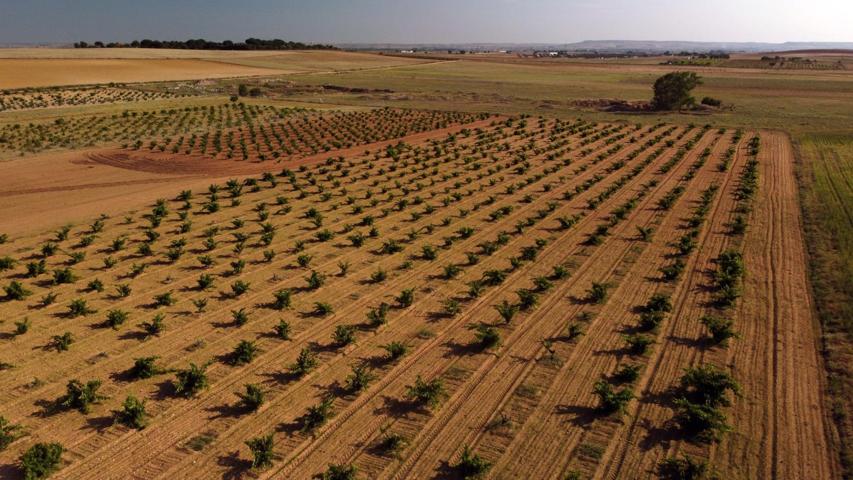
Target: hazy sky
{"points": [[427, 21]]}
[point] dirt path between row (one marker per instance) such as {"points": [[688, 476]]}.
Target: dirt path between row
{"points": [[782, 429]]}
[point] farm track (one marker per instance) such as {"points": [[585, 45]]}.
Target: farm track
{"points": [[781, 381], [606, 263], [775, 310]]}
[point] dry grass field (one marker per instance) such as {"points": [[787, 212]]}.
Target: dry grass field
{"points": [[406, 287], [21, 68]]}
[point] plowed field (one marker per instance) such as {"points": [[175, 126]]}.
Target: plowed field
{"points": [[518, 261]]}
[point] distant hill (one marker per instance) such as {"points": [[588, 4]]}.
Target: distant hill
{"points": [[613, 46]]}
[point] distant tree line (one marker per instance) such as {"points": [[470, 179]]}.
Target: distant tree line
{"points": [[202, 44]]}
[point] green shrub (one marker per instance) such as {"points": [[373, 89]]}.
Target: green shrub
{"points": [[253, 397], [609, 400], [317, 415], [471, 465], [41, 460], [343, 335], [396, 350], [720, 328], [627, 374], [78, 307], [132, 413], [338, 472], [63, 275], [686, 468], [145, 367], [406, 298], [22, 326], [262, 451], [62, 342], [239, 287], [81, 396], [305, 362], [707, 385], [506, 310], [16, 291], [315, 280], [321, 309], [379, 315], [427, 394], [638, 344], [244, 353], [164, 299], [282, 330], [9, 432], [487, 336], [240, 317], [155, 326], [282, 299], [597, 293], [359, 379], [191, 381]]}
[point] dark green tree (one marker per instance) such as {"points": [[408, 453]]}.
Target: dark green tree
{"points": [[672, 91]]}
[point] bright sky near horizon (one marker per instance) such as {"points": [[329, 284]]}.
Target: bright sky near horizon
{"points": [[427, 21]]}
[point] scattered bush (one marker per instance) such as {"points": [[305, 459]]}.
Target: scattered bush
{"points": [[506, 310], [686, 468], [81, 396], [638, 344], [597, 293], [305, 362], [252, 398], [9, 432], [720, 328], [145, 367], [427, 394], [244, 353], [343, 335], [338, 472], [487, 336], [116, 318], [262, 451], [132, 413], [62, 342], [396, 350], [406, 298], [164, 300], [282, 330], [191, 381], [609, 400], [317, 415], [78, 308], [41, 460], [359, 379], [471, 465]]}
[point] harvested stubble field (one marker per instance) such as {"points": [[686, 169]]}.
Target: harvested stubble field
{"points": [[47, 67], [522, 298]]}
